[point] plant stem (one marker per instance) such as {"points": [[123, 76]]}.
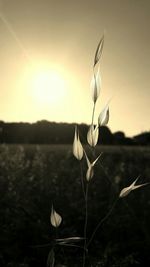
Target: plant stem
{"points": [[70, 245], [42, 246], [101, 222], [82, 182], [85, 225]]}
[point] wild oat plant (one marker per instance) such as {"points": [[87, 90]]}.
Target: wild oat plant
{"points": [[80, 154]]}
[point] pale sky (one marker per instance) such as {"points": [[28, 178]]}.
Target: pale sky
{"points": [[46, 56]]}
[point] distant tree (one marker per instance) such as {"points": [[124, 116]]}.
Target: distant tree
{"points": [[142, 139], [45, 132], [121, 139], [105, 136]]}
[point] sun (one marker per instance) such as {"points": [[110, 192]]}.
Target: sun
{"points": [[47, 86], [45, 91]]}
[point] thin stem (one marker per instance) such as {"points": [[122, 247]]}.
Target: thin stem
{"points": [[42, 246], [133, 214], [107, 176], [86, 212], [70, 245], [82, 182], [56, 232], [85, 225], [102, 221]]}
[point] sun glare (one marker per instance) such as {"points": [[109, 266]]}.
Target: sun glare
{"points": [[45, 91], [47, 86]]}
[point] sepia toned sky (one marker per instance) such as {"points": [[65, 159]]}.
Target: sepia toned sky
{"points": [[46, 56]]}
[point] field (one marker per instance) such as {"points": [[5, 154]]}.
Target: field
{"points": [[33, 177]]}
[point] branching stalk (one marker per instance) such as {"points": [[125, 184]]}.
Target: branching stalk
{"points": [[85, 225], [82, 182], [101, 222]]}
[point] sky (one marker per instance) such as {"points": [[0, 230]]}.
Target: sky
{"points": [[46, 57]]}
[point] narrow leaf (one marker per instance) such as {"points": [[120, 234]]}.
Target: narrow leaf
{"points": [[98, 52], [75, 143], [89, 173], [80, 148], [55, 218], [92, 135], [70, 239], [77, 146], [94, 162], [104, 116], [138, 186], [125, 191], [95, 86], [90, 170], [51, 258], [87, 160]]}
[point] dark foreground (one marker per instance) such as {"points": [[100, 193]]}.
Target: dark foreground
{"points": [[34, 177]]}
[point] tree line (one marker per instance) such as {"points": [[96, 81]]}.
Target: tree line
{"points": [[45, 132]]}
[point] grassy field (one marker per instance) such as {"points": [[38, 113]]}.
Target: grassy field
{"points": [[33, 177]]}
